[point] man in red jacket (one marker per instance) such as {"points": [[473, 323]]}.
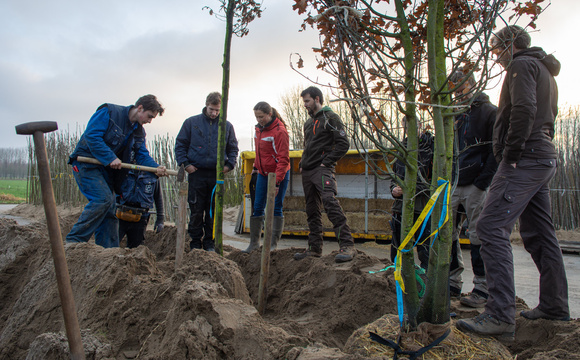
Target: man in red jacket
{"points": [[325, 143], [523, 148]]}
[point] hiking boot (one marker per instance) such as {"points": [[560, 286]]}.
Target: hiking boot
{"points": [[473, 300], [487, 325], [536, 314], [306, 253], [345, 254]]}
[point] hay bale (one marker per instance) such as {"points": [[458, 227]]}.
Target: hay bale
{"points": [[292, 203], [457, 345], [378, 215], [378, 222]]}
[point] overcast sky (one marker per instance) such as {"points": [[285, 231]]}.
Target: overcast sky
{"points": [[61, 59]]}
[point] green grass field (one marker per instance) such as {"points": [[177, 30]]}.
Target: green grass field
{"points": [[12, 191]]}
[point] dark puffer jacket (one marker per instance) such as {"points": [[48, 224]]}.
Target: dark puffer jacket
{"points": [[197, 141], [474, 133], [527, 109]]}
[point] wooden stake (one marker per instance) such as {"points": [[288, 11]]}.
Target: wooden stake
{"points": [[181, 223], [265, 269]]}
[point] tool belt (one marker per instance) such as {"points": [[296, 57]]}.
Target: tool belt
{"points": [[129, 213]]}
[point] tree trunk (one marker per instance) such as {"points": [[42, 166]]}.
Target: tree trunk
{"points": [[411, 296], [435, 307], [219, 193]]}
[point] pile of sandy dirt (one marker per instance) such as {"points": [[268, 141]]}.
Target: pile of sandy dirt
{"points": [[135, 304], [132, 303], [317, 298]]}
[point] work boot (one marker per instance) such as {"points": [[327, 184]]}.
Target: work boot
{"points": [[255, 232], [195, 244], [345, 254], [454, 292], [306, 253], [536, 314], [277, 228], [487, 325], [473, 300]]}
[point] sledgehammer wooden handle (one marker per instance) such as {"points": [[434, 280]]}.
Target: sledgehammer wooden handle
{"points": [[126, 166], [67, 301]]}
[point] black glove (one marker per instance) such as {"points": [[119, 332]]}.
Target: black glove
{"points": [[159, 224]]}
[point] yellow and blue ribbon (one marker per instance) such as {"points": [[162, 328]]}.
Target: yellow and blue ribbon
{"points": [[211, 205], [442, 187]]}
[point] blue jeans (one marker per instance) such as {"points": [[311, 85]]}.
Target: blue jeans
{"points": [[262, 194], [98, 217]]}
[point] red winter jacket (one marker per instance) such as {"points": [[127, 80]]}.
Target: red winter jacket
{"points": [[272, 149]]}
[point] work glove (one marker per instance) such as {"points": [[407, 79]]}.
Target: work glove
{"points": [[159, 224]]}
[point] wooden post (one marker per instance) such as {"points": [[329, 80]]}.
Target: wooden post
{"points": [[181, 223], [265, 269]]}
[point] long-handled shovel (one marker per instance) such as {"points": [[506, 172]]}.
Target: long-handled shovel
{"points": [[127, 166], [71, 323]]}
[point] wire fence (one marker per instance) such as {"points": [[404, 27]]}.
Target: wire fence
{"points": [[565, 185]]}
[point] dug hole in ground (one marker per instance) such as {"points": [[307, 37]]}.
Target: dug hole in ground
{"points": [[132, 304]]}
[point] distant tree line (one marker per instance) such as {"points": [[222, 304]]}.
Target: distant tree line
{"points": [[13, 163]]}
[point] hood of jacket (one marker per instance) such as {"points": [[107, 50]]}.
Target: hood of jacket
{"points": [[480, 99], [324, 109], [551, 63]]}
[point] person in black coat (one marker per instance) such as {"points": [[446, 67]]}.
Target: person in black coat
{"points": [[474, 167], [425, 161]]}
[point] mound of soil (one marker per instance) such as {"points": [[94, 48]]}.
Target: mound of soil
{"points": [[317, 298], [133, 303]]}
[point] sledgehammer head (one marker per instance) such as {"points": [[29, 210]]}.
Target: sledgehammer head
{"points": [[32, 127]]}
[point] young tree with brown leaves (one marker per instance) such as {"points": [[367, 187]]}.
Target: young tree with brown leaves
{"points": [[398, 54], [238, 15]]}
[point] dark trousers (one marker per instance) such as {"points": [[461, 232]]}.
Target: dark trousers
{"points": [[471, 199], [523, 193], [135, 231], [320, 190], [200, 229], [422, 249]]}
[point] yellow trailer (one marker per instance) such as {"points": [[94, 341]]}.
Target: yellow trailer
{"points": [[365, 198]]}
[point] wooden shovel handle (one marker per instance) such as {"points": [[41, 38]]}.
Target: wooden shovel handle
{"points": [[126, 166]]}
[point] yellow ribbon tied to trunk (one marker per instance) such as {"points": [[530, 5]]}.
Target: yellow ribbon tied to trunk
{"points": [[442, 188]]}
